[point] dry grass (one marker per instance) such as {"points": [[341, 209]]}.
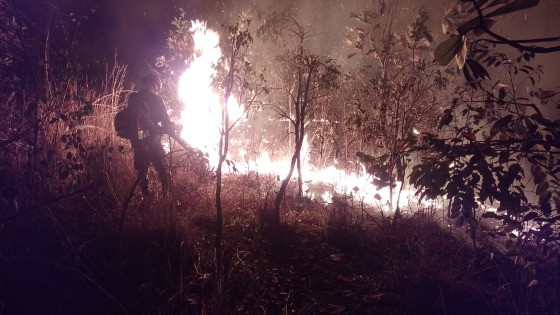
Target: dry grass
{"points": [[62, 252], [316, 262]]}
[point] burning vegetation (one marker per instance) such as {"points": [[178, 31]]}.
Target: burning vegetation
{"points": [[400, 171]]}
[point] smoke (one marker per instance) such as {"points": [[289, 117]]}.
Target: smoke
{"points": [[137, 29]]}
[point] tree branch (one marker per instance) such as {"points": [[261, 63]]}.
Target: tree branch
{"points": [[516, 43]]}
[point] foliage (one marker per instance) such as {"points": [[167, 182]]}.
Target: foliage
{"points": [[47, 104], [397, 91], [13, 42], [235, 80], [179, 41], [236, 75], [502, 149], [473, 18], [303, 79], [497, 147], [62, 175]]}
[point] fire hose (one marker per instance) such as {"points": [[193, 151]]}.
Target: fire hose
{"points": [[185, 145]]}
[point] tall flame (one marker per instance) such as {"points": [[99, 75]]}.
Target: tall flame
{"points": [[201, 116], [201, 120]]}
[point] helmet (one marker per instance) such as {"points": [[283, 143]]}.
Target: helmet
{"points": [[154, 79]]}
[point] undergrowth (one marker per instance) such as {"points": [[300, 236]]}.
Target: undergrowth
{"points": [[322, 259], [63, 248]]}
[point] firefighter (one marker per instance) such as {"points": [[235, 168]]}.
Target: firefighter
{"points": [[152, 124]]}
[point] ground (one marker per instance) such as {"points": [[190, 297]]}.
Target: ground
{"points": [[315, 262]]}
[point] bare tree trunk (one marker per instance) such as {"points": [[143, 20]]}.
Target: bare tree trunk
{"points": [[223, 150], [219, 219], [299, 179], [302, 100], [305, 102], [285, 182], [394, 162]]}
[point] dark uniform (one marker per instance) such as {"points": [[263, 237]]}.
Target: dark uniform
{"points": [[148, 148]]}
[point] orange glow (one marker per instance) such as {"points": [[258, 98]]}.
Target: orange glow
{"points": [[201, 116], [201, 120]]}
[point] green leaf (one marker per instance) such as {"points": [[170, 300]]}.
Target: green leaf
{"points": [[478, 70], [455, 214], [516, 5], [540, 176], [467, 26], [446, 119], [456, 208], [519, 128], [546, 94], [530, 216], [514, 169], [504, 157], [447, 50], [542, 187], [501, 95], [557, 201], [474, 24], [503, 122], [490, 215], [545, 198], [469, 78]]}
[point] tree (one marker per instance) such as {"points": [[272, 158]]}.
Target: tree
{"points": [[475, 18], [498, 146], [44, 101], [499, 138], [398, 92], [237, 80], [306, 77]]}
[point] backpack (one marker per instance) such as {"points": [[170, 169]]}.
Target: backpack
{"points": [[128, 120]]}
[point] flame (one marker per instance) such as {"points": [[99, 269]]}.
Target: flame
{"points": [[201, 120], [201, 116]]}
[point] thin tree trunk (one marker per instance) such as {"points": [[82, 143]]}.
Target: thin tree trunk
{"points": [[285, 182], [223, 149], [298, 143], [219, 220], [300, 179]]}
